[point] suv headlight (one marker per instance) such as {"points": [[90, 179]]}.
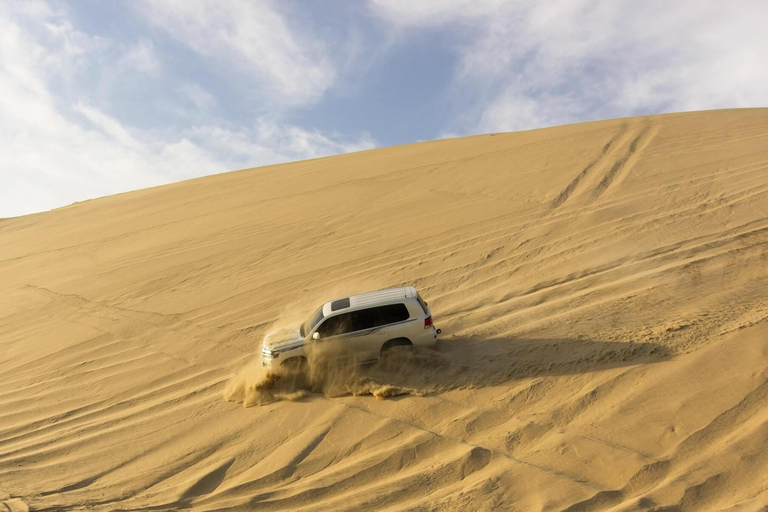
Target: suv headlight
{"points": [[269, 354]]}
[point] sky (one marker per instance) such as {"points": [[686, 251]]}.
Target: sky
{"points": [[98, 98]]}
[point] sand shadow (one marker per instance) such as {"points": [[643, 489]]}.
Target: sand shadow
{"points": [[496, 360], [473, 363]]}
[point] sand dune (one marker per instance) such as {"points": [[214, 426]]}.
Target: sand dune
{"points": [[602, 290]]}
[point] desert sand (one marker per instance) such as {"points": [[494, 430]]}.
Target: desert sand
{"points": [[602, 290]]}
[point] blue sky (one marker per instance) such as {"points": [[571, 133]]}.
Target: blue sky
{"points": [[101, 97]]}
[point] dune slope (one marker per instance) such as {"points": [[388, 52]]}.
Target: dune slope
{"points": [[602, 290]]}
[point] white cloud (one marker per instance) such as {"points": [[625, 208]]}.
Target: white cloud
{"points": [[142, 57], [197, 96], [434, 12], [532, 64], [252, 37], [269, 142], [513, 111], [108, 127], [308, 143], [56, 151]]}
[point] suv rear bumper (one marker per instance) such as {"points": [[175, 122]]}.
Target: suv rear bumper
{"points": [[428, 338]]}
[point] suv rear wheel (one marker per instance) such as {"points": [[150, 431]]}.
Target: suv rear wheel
{"points": [[397, 342]]}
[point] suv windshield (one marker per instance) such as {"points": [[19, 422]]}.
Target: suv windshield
{"points": [[311, 322]]}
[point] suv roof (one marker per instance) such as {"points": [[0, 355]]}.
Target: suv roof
{"points": [[364, 300]]}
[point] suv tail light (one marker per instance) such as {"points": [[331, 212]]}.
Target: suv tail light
{"points": [[428, 322]]}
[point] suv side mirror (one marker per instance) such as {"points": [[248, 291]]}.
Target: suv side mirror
{"points": [[316, 335]]}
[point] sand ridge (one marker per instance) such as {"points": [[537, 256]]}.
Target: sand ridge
{"points": [[602, 290]]}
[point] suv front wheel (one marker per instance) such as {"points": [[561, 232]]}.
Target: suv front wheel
{"points": [[295, 363]]}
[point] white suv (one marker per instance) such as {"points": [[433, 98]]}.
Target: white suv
{"points": [[360, 327]]}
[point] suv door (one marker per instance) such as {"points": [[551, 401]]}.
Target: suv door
{"points": [[334, 336], [368, 334]]}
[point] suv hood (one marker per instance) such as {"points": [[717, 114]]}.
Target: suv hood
{"points": [[283, 338]]}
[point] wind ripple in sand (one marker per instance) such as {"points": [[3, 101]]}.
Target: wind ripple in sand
{"points": [[561, 262]]}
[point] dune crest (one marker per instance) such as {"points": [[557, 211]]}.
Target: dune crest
{"points": [[602, 290]]}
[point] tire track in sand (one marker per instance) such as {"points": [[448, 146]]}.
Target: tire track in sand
{"points": [[621, 167], [571, 187]]}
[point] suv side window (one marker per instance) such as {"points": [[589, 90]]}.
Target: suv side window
{"points": [[391, 314], [336, 325], [363, 319]]}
